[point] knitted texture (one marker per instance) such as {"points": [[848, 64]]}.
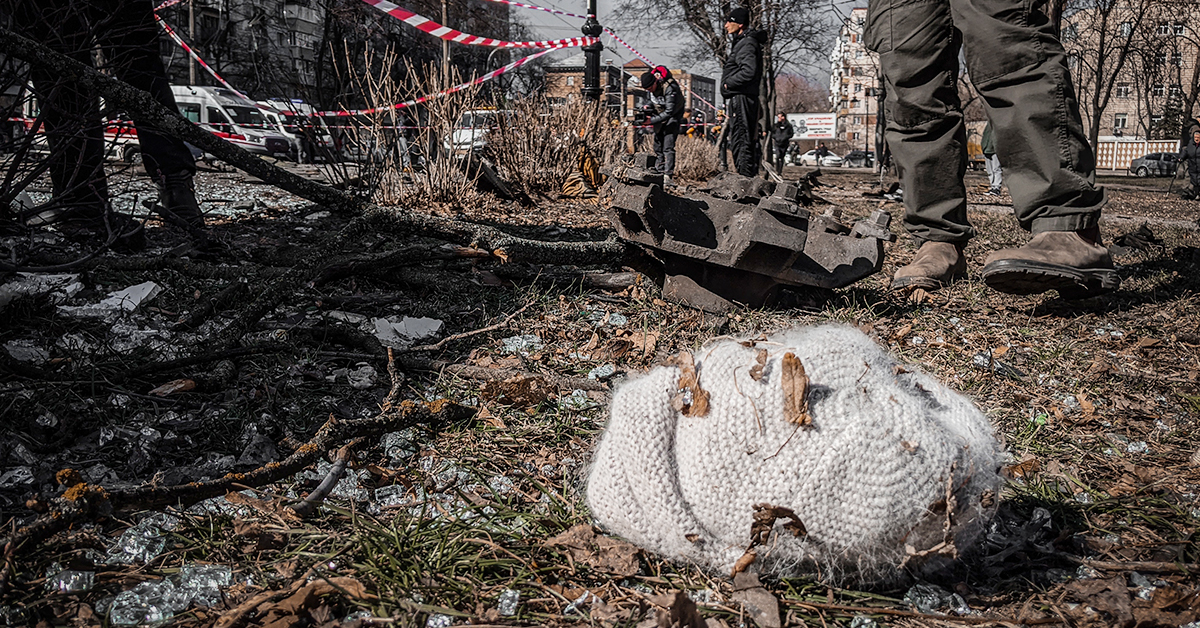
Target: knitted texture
{"points": [[888, 449]]}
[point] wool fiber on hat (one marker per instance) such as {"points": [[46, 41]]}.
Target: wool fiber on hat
{"points": [[895, 471]]}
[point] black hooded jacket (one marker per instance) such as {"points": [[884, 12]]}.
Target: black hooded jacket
{"points": [[743, 67], [672, 104]]}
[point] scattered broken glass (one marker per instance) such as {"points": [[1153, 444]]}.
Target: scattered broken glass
{"points": [[438, 620], [26, 351], [602, 372], [577, 400], [14, 616], [501, 485], [399, 446], [928, 598], [1083, 497], [1138, 447], [507, 604], [393, 495], [988, 362], [522, 344], [916, 341], [358, 616], [702, 596], [862, 621], [1145, 587], [142, 542], [18, 476], [573, 607], [204, 582], [1086, 573], [149, 603], [70, 581]]}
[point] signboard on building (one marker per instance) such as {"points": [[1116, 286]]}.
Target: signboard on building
{"points": [[813, 126]]}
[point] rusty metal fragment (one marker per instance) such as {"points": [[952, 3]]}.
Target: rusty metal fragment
{"points": [[742, 238]]}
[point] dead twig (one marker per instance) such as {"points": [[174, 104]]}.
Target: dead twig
{"points": [[869, 610], [467, 334], [1147, 566], [309, 504]]}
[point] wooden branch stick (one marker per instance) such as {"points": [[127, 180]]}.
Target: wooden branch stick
{"points": [[467, 334], [965, 619], [1147, 566], [310, 503]]}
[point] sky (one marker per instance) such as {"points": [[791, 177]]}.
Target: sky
{"points": [[548, 26]]}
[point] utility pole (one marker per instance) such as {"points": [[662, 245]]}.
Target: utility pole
{"points": [[591, 56], [445, 49], [191, 38]]}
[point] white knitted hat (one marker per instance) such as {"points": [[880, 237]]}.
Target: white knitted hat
{"points": [[893, 470]]}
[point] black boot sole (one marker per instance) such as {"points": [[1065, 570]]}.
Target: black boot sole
{"points": [[1023, 277]]}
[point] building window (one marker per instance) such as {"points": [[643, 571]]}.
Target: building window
{"points": [[1070, 32], [570, 81], [858, 54], [1126, 29], [1164, 29], [1120, 120], [1122, 90], [1160, 58], [1177, 60], [855, 136], [1176, 90], [1158, 89], [857, 88], [1155, 120], [1179, 28]]}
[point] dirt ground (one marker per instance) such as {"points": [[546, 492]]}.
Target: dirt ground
{"points": [[1096, 401]]}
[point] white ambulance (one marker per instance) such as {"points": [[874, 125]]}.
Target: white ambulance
{"points": [[309, 136], [231, 117]]}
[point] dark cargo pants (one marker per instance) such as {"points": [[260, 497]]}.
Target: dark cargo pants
{"points": [[742, 115], [128, 35], [664, 147], [1019, 67]]}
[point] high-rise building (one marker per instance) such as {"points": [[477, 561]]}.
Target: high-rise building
{"points": [[853, 83]]}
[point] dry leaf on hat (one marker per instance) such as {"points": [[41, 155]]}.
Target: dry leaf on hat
{"points": [[692, 400], [795, 390], [760, 362]]}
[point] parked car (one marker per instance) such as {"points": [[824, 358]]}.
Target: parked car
{"points": [[470, 132], [294, 120], [859, 159], [1155, 165], [828, 161]]}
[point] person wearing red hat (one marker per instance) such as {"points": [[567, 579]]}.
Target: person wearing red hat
{"points": [[667, 97]]}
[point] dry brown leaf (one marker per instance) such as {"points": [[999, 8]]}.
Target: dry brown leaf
{"points": [[602, 553], [795, 390], [1085, 404], [745, 561], [760, 362], [1024, 469], [677, 611], [999, 351], [502, 255], [765, 516], [918, 295], [692, 400], [173, 386], [902, 332], [518, 390], [645, 342]]}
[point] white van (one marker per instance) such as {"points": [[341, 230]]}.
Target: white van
{"points": [[229, 116], [293, 119]]}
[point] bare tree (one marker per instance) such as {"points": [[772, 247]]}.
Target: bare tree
{"points": [[796, 30], [795, 93], [1099, 37]]}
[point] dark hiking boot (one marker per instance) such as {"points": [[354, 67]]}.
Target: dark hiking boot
{"points": [[178, 206], [121, 232], [935, 265], [1072, 262]]}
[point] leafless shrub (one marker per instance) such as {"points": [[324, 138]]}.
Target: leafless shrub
{"points": [[695, 159], [402, 157], [537, 146]]}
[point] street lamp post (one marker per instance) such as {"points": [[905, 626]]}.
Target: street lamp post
{"points": [[591, 55]]}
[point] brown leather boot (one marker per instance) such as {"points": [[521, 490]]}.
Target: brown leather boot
{"points": [[1074, 263], [936, 264]]}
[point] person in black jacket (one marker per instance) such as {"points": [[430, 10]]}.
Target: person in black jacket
{"points": [[781, 135], [668, 97], [1191, 156], [740, 77]]}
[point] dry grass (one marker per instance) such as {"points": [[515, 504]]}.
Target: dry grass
{"points": [[695, 159], [537, 148]]}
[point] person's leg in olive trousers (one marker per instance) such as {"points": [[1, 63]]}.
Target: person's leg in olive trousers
{"points": [[1019, 68]]}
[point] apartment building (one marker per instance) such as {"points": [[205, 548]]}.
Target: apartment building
{"points": [[852, 83]]}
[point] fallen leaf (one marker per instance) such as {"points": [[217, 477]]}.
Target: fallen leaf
{"points": [[298, 606], [1109, 596], [795, 390], [760, 362], [1024, 469], [764, 518], [1085, 404], [502, 255], [518, 390], [173, 386], [742, 563], [677, 610], [646, 342], [602, 553], [999, 351], [902, 332], [692, 400]]}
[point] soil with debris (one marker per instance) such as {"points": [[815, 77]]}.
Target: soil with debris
{"points": [[120, 376]]}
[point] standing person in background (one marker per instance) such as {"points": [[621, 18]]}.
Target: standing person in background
{"points": [[126, 33], [781, 136], [1190, 155], [668, 99], [987, 144], [740, 77]]}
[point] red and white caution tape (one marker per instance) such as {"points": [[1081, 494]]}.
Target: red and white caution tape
{"points": [[427, 25], [166, 4], [416, 101], [192, 53]]}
